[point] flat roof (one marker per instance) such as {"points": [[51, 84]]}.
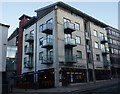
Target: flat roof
{"points": [[4, 25]]}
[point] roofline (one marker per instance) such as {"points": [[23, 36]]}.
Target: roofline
{"points": [[25, 15], [4, 25], [30, 22], [74, 10]]}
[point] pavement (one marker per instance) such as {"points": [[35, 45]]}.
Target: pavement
{"points": [[71, 89]]}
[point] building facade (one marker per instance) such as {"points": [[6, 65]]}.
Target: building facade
{"points": [[114, 46], [3, 48], [62, 46]]}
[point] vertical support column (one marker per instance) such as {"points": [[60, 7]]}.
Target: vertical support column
{"points": [[55, 50], [86, 52], [93, 70]]}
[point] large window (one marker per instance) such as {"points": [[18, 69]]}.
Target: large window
{"points": [[77, 26], [97, 57], [79, 54], [40, 55], [95, 33], [78, 40], [96, 45]]}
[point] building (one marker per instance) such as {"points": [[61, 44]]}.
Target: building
{"points": [[114, 46], [62, 45], [13, 39], [3, 47], [23, 19]]}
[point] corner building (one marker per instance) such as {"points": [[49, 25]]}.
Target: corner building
{"points": [[62, 45]]}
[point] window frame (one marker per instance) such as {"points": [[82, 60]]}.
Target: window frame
{"points": [[79, 40], [95, 33], [80, 54]]}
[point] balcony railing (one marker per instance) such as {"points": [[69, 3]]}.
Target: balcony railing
{"points": [[103, 39], [69, 42], [107, 63], [47, 43], [71, 58], [29, 51], [69, 27], [29, 38], [105, 51], [47, 28], [28, 64], [48, 59]]}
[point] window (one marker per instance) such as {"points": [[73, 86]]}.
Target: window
{"points": [[40, 40], [66, 20], [50, 21], [101, 35], [40, 55], [26, 36], [41, 28], [77, 26], [78, 40], [96, 44], [79, 54], [32, 32], [95, 33], [25, 48], [97, 57]]}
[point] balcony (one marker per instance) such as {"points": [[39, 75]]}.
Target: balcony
{"points": [[69, 28], [105, 51], [29, 51], [103, 39], [69, 42], [87, 35], [107, 63], [47, 28], [29, 38], [71, 59], [47, 43], [48, 59], [29, 65]]}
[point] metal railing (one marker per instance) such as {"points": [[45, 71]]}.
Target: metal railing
{"points": [[105, 50], [70, 41], [48, 59], [29, 50], [47, 26], [47, 42], [28, 64], [69, 25], [29, 37], [71, 58], [103, 39]]}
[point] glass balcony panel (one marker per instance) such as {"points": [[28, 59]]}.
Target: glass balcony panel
{"points": [[69, 27], [29, 50], [48, 42], [71, 58], [70, 42], [48, 59], [103, 39], [47, 28], [29, 38]]}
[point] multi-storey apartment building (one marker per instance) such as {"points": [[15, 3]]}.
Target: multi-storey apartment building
{"points": [[63, 45], [3, 47], [114, 46]]}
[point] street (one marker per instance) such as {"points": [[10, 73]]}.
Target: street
{"points": [[111, 89]]}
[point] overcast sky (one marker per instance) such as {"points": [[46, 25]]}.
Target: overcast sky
{"points": [[106, 12]]}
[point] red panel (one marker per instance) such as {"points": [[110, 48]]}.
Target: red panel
{"points": [[20, 44]]}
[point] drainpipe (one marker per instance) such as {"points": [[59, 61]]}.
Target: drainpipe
{"points": [[35, 78]]}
